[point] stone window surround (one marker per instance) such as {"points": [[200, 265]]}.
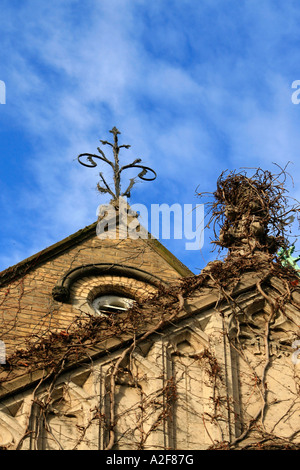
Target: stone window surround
{"points": [[81, 285], [86, 289], [61, 292]]}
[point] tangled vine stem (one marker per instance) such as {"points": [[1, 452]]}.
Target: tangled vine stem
{"points": [[58, 350], [115, 165], [253, 212]]}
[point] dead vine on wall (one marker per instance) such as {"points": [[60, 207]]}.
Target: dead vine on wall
{"points": [[252, 214]]}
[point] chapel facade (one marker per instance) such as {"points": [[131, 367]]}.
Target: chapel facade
{"points": [[111, 343]]}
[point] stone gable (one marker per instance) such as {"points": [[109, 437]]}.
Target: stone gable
{"points": [[28, 308]]}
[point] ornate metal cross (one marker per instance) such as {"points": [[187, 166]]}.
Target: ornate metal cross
{"points": [[117, 170]]}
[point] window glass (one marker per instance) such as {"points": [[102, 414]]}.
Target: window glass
{"points": [[109, 304]]}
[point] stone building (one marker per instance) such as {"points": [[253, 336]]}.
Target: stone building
{"points": [[112, 343]]}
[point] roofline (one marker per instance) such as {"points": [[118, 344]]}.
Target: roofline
{"points": [[21, 268], [26, 265]]}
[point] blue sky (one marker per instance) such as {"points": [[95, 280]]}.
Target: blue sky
{"points": [[196, 88]]}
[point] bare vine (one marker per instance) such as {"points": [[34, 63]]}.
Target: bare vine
{"points": [[252, 216]]}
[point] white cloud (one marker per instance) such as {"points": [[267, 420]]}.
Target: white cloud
{"points": [[203, 89]]}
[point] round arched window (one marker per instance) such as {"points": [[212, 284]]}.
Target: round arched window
{"points": [[111, 304]]}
